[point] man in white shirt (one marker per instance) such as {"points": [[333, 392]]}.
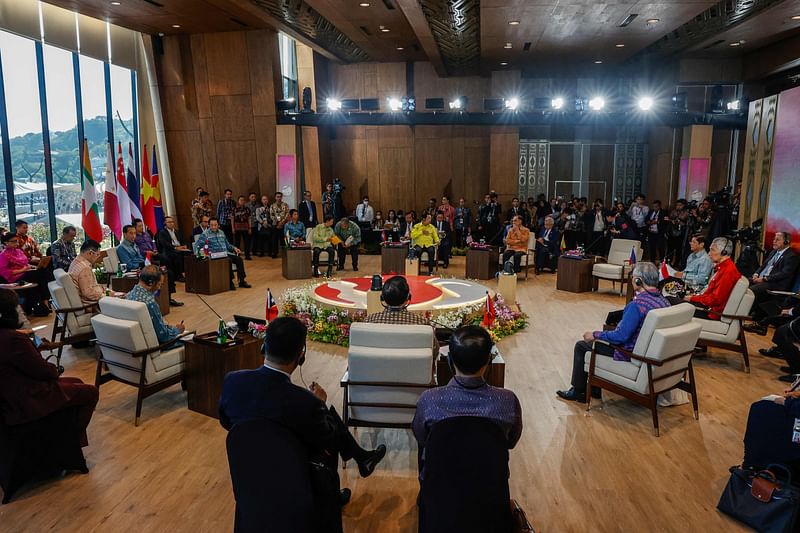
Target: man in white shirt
{"points": [[638, 213], [364, 211]]}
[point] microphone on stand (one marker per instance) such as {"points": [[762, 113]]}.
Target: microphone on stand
{"points": [[212, 309]]}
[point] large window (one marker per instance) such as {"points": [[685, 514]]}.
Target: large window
{"points": [[24, 121], [288, 53], [25, 133]]}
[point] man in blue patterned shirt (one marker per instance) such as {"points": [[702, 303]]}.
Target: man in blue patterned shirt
{"points": [[225, 209], [218, 242], [149, 283], [467, 393], [127, 252], [63, 250]]}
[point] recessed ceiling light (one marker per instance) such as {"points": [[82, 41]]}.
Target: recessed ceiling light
{"points": [[652, 21], [364, 4], [513, 23], [735, 43], [507, 45], [384, 30], [116, 3], [796, 17], [503, 64], [598, 62], [176, 26], [400, 48], [619, 45]]}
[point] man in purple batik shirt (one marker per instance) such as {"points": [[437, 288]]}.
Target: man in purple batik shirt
{"points": [[144, 242], [468, 394]]}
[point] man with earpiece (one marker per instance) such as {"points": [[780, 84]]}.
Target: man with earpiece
{"points": [[716, 294], [268, 393], [144, 291], [777, 274], [645, 282]]}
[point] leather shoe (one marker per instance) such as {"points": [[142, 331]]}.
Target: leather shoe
{"points": [[756, 328], [366, 466], [344, 497], [788, 378], [572, 395], [175, 303], [243, 284], [232, 287], [771, 352]]}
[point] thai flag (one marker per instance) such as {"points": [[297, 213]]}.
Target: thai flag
{"points": [[488, 312], [633, 256], [271, 307]]}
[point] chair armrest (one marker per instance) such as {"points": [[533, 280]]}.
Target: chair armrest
{"points": [[600, 259], [737, 317], [788, 294], [65, 310], [146, 351], [628, 353]]}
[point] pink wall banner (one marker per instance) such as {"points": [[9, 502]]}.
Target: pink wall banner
{"points": [[699, 168], [287, 178], [683, 177], [783, 213]]}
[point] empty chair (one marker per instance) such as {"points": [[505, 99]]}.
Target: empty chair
{"points": [[389, 366], [110, 261], [727, 332], [273, 496], [617, 266], [130, 348], [660, 360], [72, 317], [465, 484]]}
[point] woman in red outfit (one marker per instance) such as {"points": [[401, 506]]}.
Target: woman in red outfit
{"points": [[30, 388]]}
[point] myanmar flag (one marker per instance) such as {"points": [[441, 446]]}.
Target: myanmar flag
{"points": [[90, 214]]}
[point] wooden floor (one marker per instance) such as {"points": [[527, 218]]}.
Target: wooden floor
{"points": [[572, 471]]}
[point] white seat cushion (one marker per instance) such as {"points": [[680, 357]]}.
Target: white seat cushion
{"points": [[713, 326], [607, 271], [626, 369], [168, 358]]}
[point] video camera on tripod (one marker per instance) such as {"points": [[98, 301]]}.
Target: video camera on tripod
{"points": [[749, 237]]}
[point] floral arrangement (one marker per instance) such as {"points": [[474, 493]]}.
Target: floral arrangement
{"points": [[259, 331], [332, 326]]}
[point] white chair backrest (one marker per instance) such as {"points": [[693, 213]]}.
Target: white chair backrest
{"points": [[390, 353], [675, 333], [70, 289], [735, 299], [111, 260], [131, 311], [532, 240], [621, 251], [309, 231]]}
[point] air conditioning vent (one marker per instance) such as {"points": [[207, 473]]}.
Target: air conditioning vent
{"points": [[627, 20], [365, 30], [526, 47], [389, 5], [239, 22], [153, 2]]}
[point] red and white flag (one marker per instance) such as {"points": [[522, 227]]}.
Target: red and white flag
{"points": [[488, 312], [271, 307], [110, 206], [665, 271], [123, 200]]}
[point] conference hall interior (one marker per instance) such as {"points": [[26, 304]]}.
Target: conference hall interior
{"points": [[399, 265]]}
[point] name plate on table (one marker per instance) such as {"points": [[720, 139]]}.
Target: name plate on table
{"points": [[218, 255], [211, 338]]}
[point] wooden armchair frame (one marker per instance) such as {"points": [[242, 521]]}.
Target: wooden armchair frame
{"points": [[731, 346], [144, 390], [346, 383], [60, 328], [650, 399]]}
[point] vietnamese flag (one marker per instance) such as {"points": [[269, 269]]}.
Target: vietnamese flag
{"points": [[148, 209], [159, 210], [90, 214]]}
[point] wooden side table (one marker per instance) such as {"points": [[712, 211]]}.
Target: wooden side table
{"points": [[574, 275], [207, 276], [482, 264], [207, 364], [296, 263], [393, 259], [126, 283]]}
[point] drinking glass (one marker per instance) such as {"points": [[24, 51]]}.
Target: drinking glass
{"points": [[232, 329]]}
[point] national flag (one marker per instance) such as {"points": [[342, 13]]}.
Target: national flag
{"points": [[133, 186], [159, 210], [123, 199], [111, 206], [148, 258], [633, 256], [90, 214], [148, 210], [563, 243], [488, 312], [665, 271], [271, 307]]}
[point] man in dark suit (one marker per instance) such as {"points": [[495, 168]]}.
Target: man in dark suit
{"points": [[777, 273], [268, 393], [308, 211], [547, 246], [405, 226], [654, 224], [445, 238], [172, 248]]}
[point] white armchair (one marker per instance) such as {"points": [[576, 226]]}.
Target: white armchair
{"points": [[72, 317], [725, 332], [389, 366], [130, 349], [111, 261], [528, 260], [617, 266], [660, 361]]}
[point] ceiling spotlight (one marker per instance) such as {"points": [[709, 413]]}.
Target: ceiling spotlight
{"points": [[384, 29], [513, 23], [459, 103], [512, 103], [557, 103], [733, 105], [597, 103], [645, 103], [364, 4], [619, 45], [650, 22], [796, 17], [503, 63], [176, 26], [598, 62], [507, 45], [400, 48], [737, 43], [394, 104], [333, 104], [116, 3]]}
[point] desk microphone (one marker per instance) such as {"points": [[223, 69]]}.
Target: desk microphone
{"points": [[212, 309]]}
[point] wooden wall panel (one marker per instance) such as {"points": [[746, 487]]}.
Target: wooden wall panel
{"points": [[372, 174], [311, 165], [503, 162], [428, 84], [217, 96], [226, 58]]}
